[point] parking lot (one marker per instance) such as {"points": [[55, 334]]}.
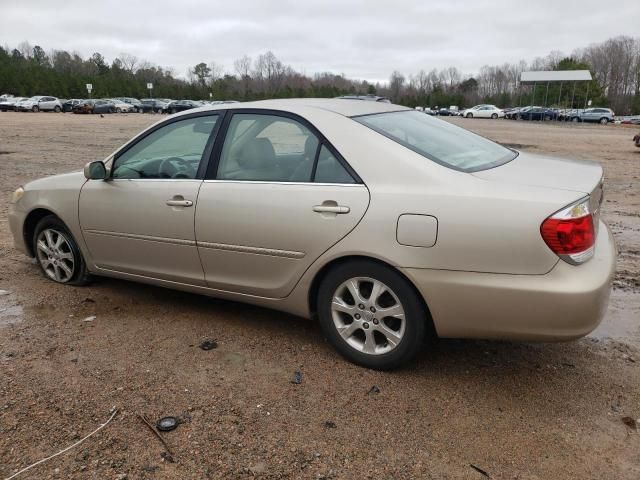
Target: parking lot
{"points": [[510, 410]]}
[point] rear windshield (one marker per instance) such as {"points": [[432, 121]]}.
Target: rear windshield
{"points": [[438, 140]]}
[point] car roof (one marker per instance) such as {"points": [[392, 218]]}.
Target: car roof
{"points": [[345, 107]]}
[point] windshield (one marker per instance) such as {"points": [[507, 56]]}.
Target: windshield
{"points": [[438, 140]]}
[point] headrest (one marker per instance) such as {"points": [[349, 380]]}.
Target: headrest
{"points": [[258, 153], [310, 147]]}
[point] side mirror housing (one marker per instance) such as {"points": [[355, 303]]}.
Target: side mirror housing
{"points": [[95, 170]]}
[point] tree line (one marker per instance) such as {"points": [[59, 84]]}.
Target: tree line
{"points": [[615, 65]]}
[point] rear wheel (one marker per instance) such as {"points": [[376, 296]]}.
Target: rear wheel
{"points": [[604, 120], [371, 314], [575, 119], [35, 109], [58, 253]]}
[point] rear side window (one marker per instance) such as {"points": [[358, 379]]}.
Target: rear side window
{"points": [[330, 170], [267, 148], [438, 140]]}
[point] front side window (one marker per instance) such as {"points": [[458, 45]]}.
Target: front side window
{"points": [[174, 151], [438, 140], [267, 148]]}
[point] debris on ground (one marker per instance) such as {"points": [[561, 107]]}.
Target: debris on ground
{"points": [[166, 424], [90, 318], [330, 424], [4, 292], [157, 434], [373, 390], [630, 422], [166, 456], [208, 344], [88, 300], [479, 470], [297, 378]]}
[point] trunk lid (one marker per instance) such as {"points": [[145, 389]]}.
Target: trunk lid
{"points": [[547, 172]]}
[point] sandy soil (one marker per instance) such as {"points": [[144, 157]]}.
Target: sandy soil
{"points": [[513, 410]]}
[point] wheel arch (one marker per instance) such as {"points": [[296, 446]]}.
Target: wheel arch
{"points": [[312, 296], [29, 226]]}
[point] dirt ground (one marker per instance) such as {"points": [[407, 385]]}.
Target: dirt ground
{"points": [[512, 410]]}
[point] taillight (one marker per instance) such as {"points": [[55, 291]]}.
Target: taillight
{"points": [[571, 232]]}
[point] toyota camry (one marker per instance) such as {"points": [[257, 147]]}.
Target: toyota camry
{"points": [[387, 225]]}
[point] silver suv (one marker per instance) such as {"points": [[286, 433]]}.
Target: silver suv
{"points": [[40, 103], [600, 115]]}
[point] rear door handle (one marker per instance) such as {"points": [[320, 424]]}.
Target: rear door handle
{"points": [[179, 201], [337, 209]]}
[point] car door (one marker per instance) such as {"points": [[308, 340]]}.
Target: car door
{"points": [[141, 220], [278, 196]]}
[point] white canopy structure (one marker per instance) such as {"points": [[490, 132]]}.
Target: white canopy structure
{"points": [[556, 76], [545, 76]]}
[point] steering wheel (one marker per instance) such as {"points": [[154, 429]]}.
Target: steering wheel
{"points": [[167, 167]]}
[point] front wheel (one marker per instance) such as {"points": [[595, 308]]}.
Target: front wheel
{"points": [[575, 119], [58, 253], [57, 109], [494, 115], [469, 115], [118, 110], [371, 314], [35, 109]]}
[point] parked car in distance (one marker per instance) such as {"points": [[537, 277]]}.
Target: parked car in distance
{"points": [[39, 103], [152, 105], [483, 111], [67, 105], [94, 106], [182, 105], [9, 103], [121, 106], [537, 113], [137, 104], [445, 112], [599, 115], [386, 238]]}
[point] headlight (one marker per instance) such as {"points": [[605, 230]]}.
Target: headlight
{"points": [[17, 195]]}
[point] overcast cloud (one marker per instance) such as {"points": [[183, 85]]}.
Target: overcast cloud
{"points": [[361, 39]]}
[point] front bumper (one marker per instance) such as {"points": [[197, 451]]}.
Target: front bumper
{"points": [[566, 303], [16, 222]]}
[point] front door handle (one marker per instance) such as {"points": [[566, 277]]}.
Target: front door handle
{"points": [[179, 201], [337, 209]]}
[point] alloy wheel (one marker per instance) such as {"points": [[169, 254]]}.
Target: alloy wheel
{"points": [[368, 315], [55, 255]]}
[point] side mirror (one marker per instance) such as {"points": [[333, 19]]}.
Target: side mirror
{"points": [[95, 170]]}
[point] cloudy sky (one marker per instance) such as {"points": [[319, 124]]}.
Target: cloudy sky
{"points": [[361, 39]]}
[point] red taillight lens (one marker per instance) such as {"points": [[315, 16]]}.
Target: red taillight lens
{"points": [[571, 233], [571, 236]]}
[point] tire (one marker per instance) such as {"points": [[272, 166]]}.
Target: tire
{"points": [[391, 341], [64, 263], [494, 116], [469, 115], [173, 110], [604, 121], [57, 109], [575, 119], [118, 110], [35, 109]]}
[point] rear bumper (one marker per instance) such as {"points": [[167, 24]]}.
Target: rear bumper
{"points": [[566, 303]]}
